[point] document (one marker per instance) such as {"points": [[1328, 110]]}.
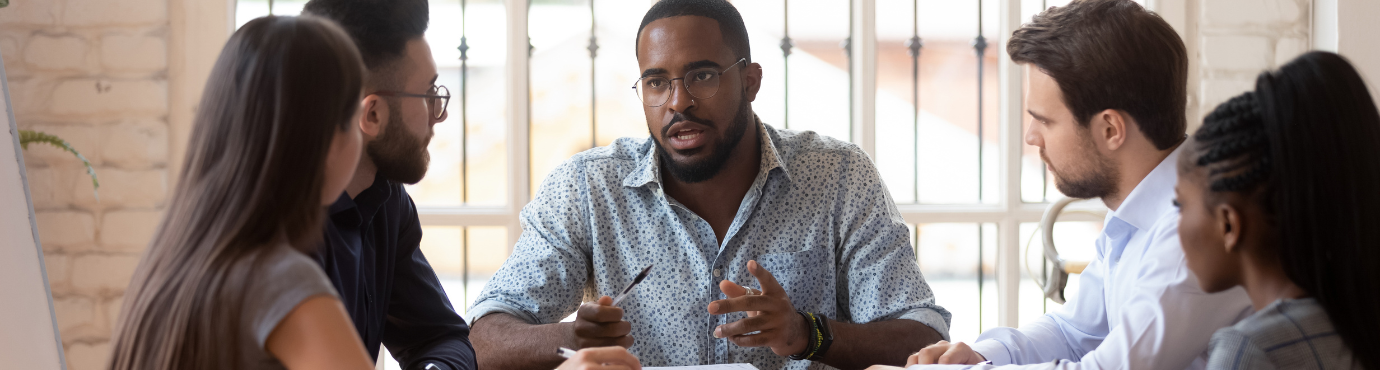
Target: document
{"points": [[707, 367]]}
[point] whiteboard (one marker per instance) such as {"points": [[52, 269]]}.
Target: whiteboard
{"points": [[28, 330]]}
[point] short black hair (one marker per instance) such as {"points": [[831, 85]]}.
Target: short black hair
{"points": [[1111, 54], [379, 28], [730, 22]]}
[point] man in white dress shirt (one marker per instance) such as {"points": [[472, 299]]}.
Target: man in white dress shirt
{"points": [[1105, 83]]}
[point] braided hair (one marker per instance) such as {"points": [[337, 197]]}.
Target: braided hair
{"points": [[1306, 142], [1233, 145]]}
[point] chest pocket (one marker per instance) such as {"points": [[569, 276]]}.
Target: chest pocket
{"points": [[807, 276]]}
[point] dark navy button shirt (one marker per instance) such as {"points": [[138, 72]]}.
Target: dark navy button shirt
{"points": [[371, 254]]}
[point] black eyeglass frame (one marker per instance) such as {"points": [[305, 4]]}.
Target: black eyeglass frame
{"points": [[672, 81], [444, 98]]}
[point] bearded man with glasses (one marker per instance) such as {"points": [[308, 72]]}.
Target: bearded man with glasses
{"points": [[778, 248], [371, 247]]}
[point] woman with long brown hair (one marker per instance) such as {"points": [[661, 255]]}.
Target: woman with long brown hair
{"points": [[226, 283]]}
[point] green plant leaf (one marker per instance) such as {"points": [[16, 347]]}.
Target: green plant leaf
{"points": [[30, 136]]}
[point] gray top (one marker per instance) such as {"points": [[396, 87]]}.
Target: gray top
{"points": [[1287, 334], [284, 279]]}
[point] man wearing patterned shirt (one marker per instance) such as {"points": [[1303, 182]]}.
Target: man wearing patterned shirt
{"points": [[716, 201]]}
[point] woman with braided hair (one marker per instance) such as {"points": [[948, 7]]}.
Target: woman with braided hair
{"points": [[1279, 192]]}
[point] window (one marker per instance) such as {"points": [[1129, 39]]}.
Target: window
{"points": [[536, 82]]}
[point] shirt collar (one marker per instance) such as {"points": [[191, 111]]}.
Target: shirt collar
{"points": [[366, 203], [649, 169], [1153, 196]]}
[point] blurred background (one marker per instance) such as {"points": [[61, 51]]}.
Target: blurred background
{"points": [[535, 82]]}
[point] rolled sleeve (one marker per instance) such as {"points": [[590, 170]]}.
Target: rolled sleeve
{"points": [[882, 276], [543, 280]]}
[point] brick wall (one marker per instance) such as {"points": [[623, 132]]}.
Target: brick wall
{"points": [[1238, 39], [93, 72]]}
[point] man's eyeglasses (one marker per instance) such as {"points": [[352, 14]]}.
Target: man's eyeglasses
{"points": [[437, 98], [702, 83]]}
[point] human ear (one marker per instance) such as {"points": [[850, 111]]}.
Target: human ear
{"points": [[1229, 224], [1114, 134], [373, 115], [752, 80]]}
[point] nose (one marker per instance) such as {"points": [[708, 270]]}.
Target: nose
{"points": [[1033, 136], [681, 100], [444, 114]]}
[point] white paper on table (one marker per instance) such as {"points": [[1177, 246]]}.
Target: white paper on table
{"points": [[707, 367]]}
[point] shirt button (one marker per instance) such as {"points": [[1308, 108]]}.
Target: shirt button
{"points": [[718, 273]]}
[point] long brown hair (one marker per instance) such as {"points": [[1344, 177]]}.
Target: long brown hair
{"points": [[280, 91]]}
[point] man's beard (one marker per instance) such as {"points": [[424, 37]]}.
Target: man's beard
{"points": [[1096, 177], [398, 155], [707, 168]]}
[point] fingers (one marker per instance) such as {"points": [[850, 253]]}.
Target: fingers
{"points": [[930, 355], [756, 340], [592, 330], [732, 289], [913, 360], [603, 358], [744, 326], [745, 303], [599, 325], [599, 313], [770, 286], [959, 354]]}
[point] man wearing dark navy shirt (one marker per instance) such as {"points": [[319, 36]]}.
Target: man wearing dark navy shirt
{"points": [[371, 251]]}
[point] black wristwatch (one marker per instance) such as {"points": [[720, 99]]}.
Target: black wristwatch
{"points": [[819, 334]]}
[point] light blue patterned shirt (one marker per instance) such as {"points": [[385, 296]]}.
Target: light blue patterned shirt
{"points": [[817, 217]]}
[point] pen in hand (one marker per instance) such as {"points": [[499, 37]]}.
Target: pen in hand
{"points": [[565, 352], [640, 276]]}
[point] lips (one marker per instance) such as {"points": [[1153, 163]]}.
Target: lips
{"points": [[686, 135]]}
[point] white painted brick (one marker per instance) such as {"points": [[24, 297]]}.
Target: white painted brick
{"points": [[123, 52], [110, 273], [28, 95], [115, 13], [65, 228], [56, 53], [111, 308], [136, 144], [9, 49], [73, 312], [1247, 12], [123, 188], [85, 356], [1218, 91], [85, 139], [45, 184], [102, 96], [1288, 48], [30, 13], [57, 266], [128, 231], [1236, 53]]}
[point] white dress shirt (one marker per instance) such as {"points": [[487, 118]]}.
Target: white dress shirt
{"points": [[1138, 305]]}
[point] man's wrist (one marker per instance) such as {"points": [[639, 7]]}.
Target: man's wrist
{"points": [[819, 337]]}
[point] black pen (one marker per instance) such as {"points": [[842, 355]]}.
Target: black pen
{"points": [[640, 276]]}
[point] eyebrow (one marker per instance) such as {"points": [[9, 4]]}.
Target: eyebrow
{"points": [[1036, 115], [653, 71], [688, 66]]}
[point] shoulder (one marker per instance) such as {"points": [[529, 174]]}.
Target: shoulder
{"points": [[283, 268], [281, 279], [1232, 348], [810, 146], [612, 161]]}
